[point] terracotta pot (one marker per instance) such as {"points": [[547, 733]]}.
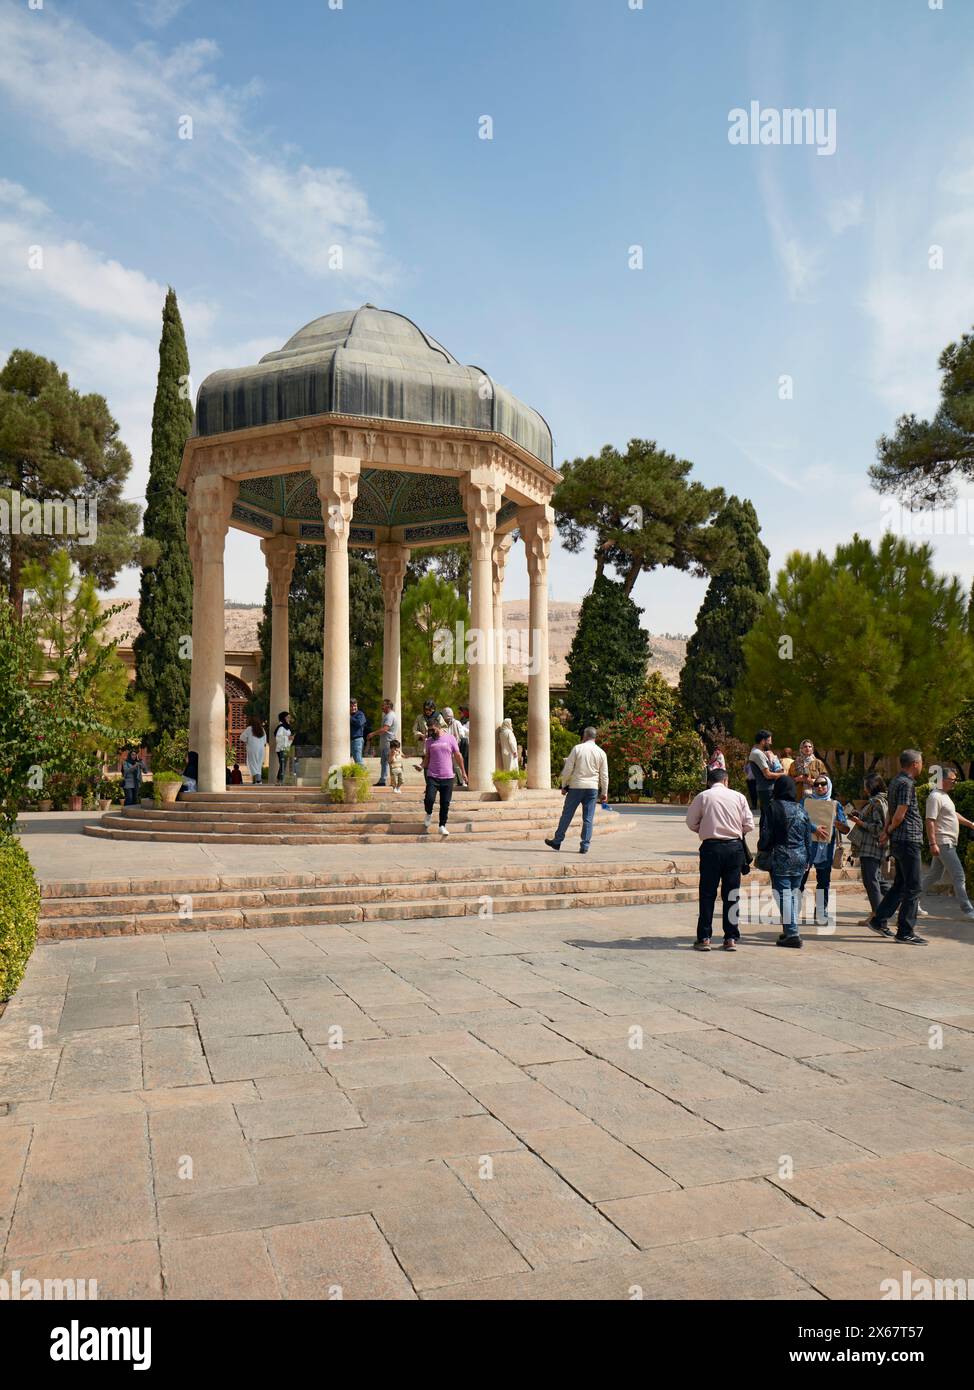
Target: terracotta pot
{"points": [[46, 805], [634, 796], [169, 791], [75, 803], [104, 804], [506, 790], [349, 790]]}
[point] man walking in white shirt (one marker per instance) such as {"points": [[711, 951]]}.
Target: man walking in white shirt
{"points": [[722, 818], [584, 780]]}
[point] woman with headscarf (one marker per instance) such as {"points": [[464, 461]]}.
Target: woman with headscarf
{"points": [[254, 740], [821, 790], [806, 767], [869, 824], [507, 746], [787, 836], [454, 727], [191, 772]]}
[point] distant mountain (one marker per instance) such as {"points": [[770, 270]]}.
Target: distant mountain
{"points": [[240, 622]]}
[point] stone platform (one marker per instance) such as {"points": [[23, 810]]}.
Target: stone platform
{"points": [[300, 815]]}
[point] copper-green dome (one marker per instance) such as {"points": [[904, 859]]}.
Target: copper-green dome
{"points": [[369, 362]]}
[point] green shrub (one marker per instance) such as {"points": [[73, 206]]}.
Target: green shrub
{"points": [[517, 775], [20, 903], [159, 780]]}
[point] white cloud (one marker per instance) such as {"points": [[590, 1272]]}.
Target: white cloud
{"points": [[800, 263], [158, 13], [123, 109], [843, 213]]}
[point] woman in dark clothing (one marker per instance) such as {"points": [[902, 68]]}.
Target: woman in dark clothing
{"points": [[787, 834], [869, 823]]}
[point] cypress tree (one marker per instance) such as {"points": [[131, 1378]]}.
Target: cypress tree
{"points": [[166, 593], [608, 657], [715, 660]]}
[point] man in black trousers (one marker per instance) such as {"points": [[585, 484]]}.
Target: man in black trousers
{"points": [[722, 819]]}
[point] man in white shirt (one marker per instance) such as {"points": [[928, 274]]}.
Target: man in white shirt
{"points": [[387, 731], [722, 818], [943, 829], [584, 780]]}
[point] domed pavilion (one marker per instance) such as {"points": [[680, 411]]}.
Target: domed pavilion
{"points": [[364, 432]]}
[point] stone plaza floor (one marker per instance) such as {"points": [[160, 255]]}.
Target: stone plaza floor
{"points": [[530, 1106]]}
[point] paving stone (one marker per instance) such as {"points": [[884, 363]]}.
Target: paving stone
{"points": [[904, 1126], [28, 1074], [357, 1150], [621, 1105], [318, 1024], [198, 1148], [106, 1272], [747, 1153], [98, 1061], [345, 1257], [479, 1067], [921, 1234], [231, 1266], [750, 1062], [87, 1182], [14, 1144], [878, 1182], [273, 1054], [240, 1010], [666, 1069], [702, 1213], [173, 1056], [732, 1267], [835, 1259], [537, 1211], [651, 1022], [318, 1111], [530, 1043], [165, 1013], [825, 1104], [595, 1164], [383, 1070], [419, 1100], [526, 1104], [99, 1006]]}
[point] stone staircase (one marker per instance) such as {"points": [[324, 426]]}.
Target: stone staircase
{"points": [[137, 906], [305, 816]]}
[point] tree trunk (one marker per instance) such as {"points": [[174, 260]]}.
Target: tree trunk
{"points": [[630, 580]]}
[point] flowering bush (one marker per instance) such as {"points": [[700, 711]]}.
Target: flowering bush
{"points": [[631, 742]]}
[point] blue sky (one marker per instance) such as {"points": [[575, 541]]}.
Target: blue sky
{"points": [[359, 125]]}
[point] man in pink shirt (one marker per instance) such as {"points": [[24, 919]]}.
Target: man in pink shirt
{"points": [[722, 818]]}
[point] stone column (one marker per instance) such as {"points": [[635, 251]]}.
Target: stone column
{"points": [[337, 480], [392, 561], [499, 554], [279, 552], [536, 525], [193, 541], [482, 495], [210, 500]]}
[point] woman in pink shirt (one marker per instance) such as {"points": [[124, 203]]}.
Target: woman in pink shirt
{"points": [[441, 755]]}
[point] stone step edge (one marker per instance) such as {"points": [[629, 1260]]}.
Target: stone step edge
{"points": [[53, 890], [147, 924], [202, 837], [335, 895]]}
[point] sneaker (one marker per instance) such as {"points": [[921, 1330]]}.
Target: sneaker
{"points": [[552, 844], [443, 830], [880, 928], [969, 915], [583, 849], [701, 945], [913, 940], [794, 941], [427, 822], [380, 784], [922, 912], [730, 944], [397, 791]]}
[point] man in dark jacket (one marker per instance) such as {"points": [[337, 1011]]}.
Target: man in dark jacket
{"points": [[358, 731]]}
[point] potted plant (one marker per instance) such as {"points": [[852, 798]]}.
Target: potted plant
{"points": [[356, 784], [506, 784], [166, 786], [107, 791]]}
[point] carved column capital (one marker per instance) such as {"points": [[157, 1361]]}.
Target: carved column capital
{"points": [[537, 527], [211, 499], [482, 492], [337, 482], [499, 553], [279, 552], [392, 560]]}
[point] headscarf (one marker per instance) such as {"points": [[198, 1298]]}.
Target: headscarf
{"points": [[784, 789], [827, 794]]}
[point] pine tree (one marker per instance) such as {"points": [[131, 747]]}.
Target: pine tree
{"points": [[608, 657], [715, 659], [166, 594]]}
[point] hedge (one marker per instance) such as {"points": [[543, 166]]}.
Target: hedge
{"points": [[20, 903]]}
